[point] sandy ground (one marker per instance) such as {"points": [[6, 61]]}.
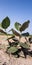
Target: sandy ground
{"points": [[14, 61], [4, 58]]}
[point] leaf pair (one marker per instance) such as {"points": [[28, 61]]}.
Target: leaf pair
{"points": [[22, 27]]}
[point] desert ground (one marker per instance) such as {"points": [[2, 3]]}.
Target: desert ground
{"points": [[11, 60]]}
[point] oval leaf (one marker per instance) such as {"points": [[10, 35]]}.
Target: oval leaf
{"points": [[25, 45], [5, 22], [12, 49], [24, 26], [17, 25], [15, 32]]}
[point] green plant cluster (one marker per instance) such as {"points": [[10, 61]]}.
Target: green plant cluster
{"points": [[16, 46]]}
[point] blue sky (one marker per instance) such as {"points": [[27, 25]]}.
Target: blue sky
{"points": [[17, 10]]}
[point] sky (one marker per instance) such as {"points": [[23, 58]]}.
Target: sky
{"points": [[17, 10]]}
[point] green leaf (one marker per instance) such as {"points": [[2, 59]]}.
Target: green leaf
{"points": [[5, 22], [25, 34], [15, 32], [24, 26], [17, 25], [12, 49], [0, 24], [25, 45]]}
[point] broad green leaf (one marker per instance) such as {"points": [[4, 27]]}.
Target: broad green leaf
{"points": [[24, 26], [25, 45], [12, 49], [17, 25], [5, 23]]}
